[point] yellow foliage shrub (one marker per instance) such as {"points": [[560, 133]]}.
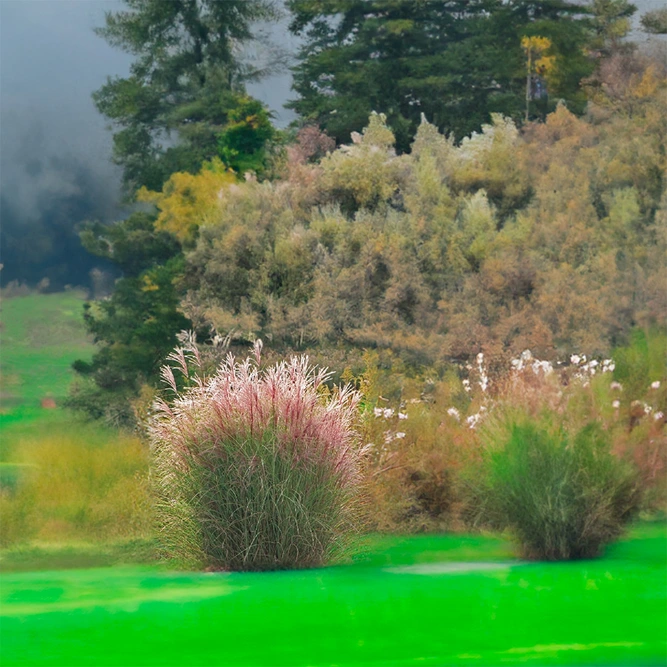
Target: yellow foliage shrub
{"points": [[188, 201], [80, 486]]}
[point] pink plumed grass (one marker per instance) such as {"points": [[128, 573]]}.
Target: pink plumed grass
{"points": [[256, 468]]}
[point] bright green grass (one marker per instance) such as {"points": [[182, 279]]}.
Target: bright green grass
{"points": [[41, 335], [413, 601]]}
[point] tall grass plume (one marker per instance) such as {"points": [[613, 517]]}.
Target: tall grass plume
{"points": [[255, 468]]}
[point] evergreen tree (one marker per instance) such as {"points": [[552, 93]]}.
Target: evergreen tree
{"points": [[611, 23], [136, 327], [185, 82], [183, 105], [455, 61], [655, 21]]}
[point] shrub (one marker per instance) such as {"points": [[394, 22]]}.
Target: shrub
{"points": [[255, 468], [563, 497], [366, 174], [418, 453], [428, 436]]}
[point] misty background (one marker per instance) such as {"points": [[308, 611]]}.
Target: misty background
{"points": [[55, 148]]}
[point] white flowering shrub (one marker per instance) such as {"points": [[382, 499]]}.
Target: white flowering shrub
{"points": [[428, 447]]}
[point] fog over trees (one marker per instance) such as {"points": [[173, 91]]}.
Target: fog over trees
{"points": [[55, 149]]}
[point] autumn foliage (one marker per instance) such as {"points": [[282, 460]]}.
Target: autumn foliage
{"points": [[551, 239]]}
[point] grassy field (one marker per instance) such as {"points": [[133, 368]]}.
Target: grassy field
{"points": [[62, 480], [41, 335], [81, 584], [413, 601]]}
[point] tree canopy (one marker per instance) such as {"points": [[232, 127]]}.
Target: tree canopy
{"points": [[185, 85], [655, 21], [454, 61], [437, 230]]}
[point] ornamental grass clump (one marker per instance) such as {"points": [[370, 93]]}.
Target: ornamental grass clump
{"points": [[563, 497], [256, 468]]}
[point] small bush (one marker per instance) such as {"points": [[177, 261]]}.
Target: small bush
{"points": [[256, 469], [415, 465], [563, 497]]}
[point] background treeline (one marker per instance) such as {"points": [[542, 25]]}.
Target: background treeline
{"points": [[426, 232], [552, 239], [185, 98]]}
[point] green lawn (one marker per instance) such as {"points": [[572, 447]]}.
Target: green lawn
{"points": [[40, 337], [42, 334], [413, 601]]}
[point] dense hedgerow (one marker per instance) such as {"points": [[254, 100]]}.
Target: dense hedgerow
{"points": [[255, 468]]}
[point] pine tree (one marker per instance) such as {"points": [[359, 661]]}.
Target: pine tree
{"points": [[185, 82], [454, 61]]}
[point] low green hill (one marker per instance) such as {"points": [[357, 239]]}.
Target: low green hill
{"points": [[40, 336]]}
